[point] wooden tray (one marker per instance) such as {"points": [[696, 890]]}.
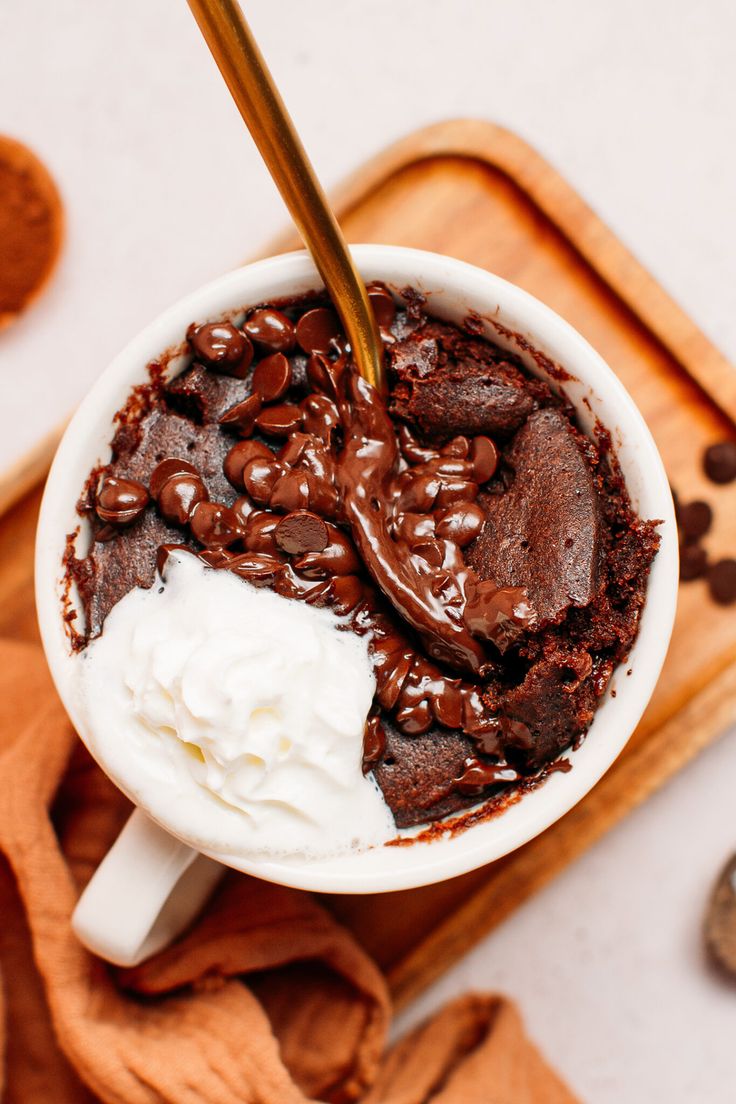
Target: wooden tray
{"points": [[477, 192]]}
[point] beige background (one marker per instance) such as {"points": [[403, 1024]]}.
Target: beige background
{"points": [[634, 100]]}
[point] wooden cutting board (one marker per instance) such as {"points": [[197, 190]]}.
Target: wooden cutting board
{"points": [[477, 192]]}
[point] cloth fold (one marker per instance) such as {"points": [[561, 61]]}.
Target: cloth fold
{"points": [[266, 1000]]}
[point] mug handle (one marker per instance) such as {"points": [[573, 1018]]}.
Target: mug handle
{"points": [[146, 890]]}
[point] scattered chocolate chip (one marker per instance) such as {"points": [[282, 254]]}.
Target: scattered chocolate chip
{"points": [[120, 501], [221, 346], [484, 458], [178, 497], [240, 455], [259, 476], [693, 562], [477, 776], [280, 420], [411, 450], [164, 471], [272, 377], [722, 582], [374, 743], [242, 417], [292, 491], [694, 519], [260, 532], [719, 462], [346, 592], [301, 532], [414, 528], [317, 330], [720, 919], [215, 526], [243, 508], [320, 416], [270, 328], [384, 308], [325, 374], [256, 567], [338, 557], [461, 523], [458, 447]]}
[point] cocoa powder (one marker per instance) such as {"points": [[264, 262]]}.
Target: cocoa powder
{"points": [[30, 227]]}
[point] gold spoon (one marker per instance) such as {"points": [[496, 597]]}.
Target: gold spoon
{"points": [[252, 87]]}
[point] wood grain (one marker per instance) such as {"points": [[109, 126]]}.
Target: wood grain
{"points": [[477, 192]]}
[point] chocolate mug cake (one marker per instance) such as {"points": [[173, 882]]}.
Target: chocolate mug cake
{"points": [[484, 547]]}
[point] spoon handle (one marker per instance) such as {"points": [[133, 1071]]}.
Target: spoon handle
{"points": [[251, 85]]}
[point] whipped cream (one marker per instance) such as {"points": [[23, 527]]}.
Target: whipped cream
{"points": [[235, 716]]}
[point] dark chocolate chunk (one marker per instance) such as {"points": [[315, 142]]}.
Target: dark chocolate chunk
{"points": [[178, 497]]}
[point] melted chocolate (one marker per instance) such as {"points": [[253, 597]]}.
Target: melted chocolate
{"points": [[486, 548]]}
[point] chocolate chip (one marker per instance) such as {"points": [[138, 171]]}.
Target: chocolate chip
{"points": [[222, 346], [346, 593], [694, 519], [484, 458], [242, 417], [280, 420], [317, 329], [455, 490], [477, 776], [243, 509], [693, 562], [270, 328], [292, 491], [720, 462], [461, 523], [411, 450], [120, 501], [260, 475], [272, 377], [164, 471], [240, 455], [338, 557], [215, 526], [414, 528], [320, 416], [458, 447], [301, 532], [419, 495], [178, 497], [374, 743], [325, 374], [260, 532], [384, 308], [256, 567], [722, 582]]}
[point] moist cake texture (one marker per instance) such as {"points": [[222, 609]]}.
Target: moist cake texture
{"points": [[487, 547]]}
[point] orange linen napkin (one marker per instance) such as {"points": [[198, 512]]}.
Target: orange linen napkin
{"points": [[267, 1000]]}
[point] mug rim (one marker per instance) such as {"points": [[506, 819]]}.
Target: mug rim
{"points": [[389, 868]]}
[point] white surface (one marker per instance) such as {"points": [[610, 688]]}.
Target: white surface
{"points": [[635, 101], [453, 288]]}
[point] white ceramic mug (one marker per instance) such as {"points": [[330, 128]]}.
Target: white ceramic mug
{"points": [[152, 882]]}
